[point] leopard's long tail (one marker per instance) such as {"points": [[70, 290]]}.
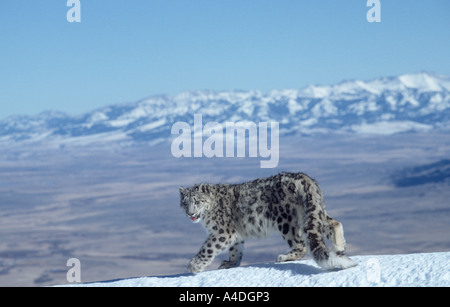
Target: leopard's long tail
{"points": [[314, 222]]}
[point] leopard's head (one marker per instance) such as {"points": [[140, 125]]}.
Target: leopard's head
{"points": [[194, 201]]}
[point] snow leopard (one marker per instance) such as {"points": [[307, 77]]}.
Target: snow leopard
{"points": [[289, 203]]}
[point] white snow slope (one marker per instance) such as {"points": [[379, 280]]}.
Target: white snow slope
{"points": [[418, 270]]}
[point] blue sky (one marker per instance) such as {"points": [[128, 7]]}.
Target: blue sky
{"points": [[123, 51]]}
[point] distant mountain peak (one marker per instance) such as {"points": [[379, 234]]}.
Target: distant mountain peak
{"points": [[422, 82], [426, 82]]}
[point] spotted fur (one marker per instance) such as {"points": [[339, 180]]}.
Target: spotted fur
{"points": [[290, 203]]}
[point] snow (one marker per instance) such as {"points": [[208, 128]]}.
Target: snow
{"points": [[422, 82], [312, 91], [84, 140], [118, 123], [425, 269], [152, 125], [387, 128], [98, 117]]}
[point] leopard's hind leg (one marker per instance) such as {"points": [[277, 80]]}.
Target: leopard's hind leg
{"points": [[296, 243], [335, 232]]}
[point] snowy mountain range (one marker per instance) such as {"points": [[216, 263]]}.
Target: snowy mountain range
{"points": [[411, 102], [412, 176]]}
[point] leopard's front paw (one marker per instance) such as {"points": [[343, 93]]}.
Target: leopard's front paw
{"points": [[282, 258], [228, 264], [195, 266]]}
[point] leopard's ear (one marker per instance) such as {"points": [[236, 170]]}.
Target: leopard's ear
{"points": [[182, 190], [204, 188]]}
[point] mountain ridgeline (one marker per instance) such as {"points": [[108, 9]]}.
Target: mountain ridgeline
{"points": [[428, 173], [413, 102]]}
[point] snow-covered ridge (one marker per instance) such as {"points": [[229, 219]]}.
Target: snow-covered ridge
{"points": [[385, 105], [420, 270]]}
